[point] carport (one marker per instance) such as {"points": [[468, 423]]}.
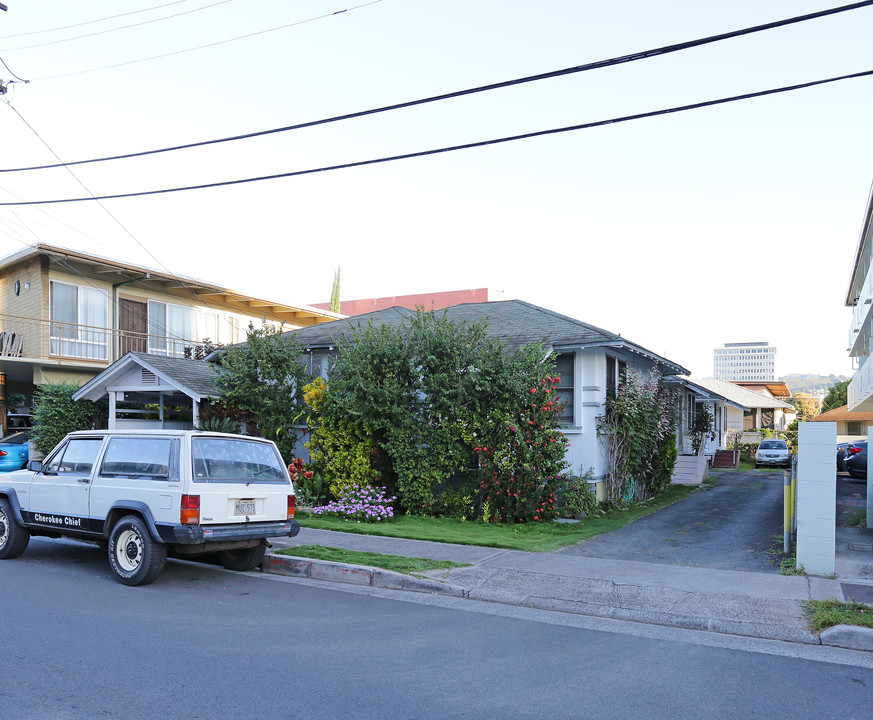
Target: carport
{"points": [[150, 391]]}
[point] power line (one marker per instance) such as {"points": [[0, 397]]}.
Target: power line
{"points": [[454, 148], [208, 45], [123, 27], [92, 22], [482, 88], [115, 219]]}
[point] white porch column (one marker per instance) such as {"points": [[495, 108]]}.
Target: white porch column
{"points": [[111, 409], [816, 497], [195, 411]]}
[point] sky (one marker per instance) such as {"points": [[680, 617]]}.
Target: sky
{"points": [[733, 223]]}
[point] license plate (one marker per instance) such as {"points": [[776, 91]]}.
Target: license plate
{"points": [[245, 507]]}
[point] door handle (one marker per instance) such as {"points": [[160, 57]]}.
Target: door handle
{"points": [[83, 480]]}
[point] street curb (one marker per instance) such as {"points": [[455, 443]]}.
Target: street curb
{"points": [[291, 566], [356, 575], [848, 636]]}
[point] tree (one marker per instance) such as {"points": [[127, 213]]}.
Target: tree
{"points": [[335, 293], [805, 405], [55, 414], [261, 384], [837, 396]]}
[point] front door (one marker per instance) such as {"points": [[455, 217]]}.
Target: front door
{"points": [[133, 322]]}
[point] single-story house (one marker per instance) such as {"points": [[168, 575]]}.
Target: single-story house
{"points": [[590, 360], [850, 425], [750, 409]]}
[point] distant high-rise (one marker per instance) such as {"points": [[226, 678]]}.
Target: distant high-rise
{"points": [[737, 362]]}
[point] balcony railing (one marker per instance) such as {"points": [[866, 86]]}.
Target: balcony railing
{"points": [[860, 316], [42, 339]]}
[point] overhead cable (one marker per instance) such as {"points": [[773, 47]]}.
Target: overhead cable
{"points": [[470, 91], [91, 22], [453, 148]]}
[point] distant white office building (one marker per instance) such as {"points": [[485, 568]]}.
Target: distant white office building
{"points": [[738, 362]]}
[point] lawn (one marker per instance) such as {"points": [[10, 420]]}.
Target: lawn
{"points": [[535, 537], [822, 614], [397, 563]]}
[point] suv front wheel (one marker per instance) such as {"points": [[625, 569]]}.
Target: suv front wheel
{"points": [[243, 559], [134, 557], [13, 539]]}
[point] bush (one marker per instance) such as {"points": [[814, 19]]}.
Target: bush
{"points": [[458, 503], [56, 413], [579, 499], [360, 503]]}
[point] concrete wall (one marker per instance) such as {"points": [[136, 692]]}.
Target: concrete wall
{"points": [[816, 497]]}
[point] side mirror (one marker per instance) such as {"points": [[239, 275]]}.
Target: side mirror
{"points": [[35, 466]]}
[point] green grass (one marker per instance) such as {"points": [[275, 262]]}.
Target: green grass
{"points": [[789, 566], [406, 565], [535, 537], [822, 614]]}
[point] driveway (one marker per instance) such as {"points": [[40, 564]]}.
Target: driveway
{"points": [[733, 525]]}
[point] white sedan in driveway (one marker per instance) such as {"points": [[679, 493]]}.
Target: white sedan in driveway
{"points": [[772, 453]]}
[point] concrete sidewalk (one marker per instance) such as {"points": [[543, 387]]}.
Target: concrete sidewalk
{"points": [[727, 601]]}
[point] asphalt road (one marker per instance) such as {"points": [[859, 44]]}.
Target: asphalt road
{"points": [[204, 643], [734, 525]]}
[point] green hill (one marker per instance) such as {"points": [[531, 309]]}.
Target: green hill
{"points": [[797, 382]]}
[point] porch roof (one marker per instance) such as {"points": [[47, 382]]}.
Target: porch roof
{"points": [[194, 378], [739, 395]]}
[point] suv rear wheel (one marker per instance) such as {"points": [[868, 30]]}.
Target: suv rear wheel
{"points": [[134, 557], [13, 537], [243, 559]]}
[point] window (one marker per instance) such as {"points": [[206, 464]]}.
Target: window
{"points": [[854, 428], [142, 457], [219, 459], [171, 328], [76, 457], [564, 366], [615, 372], [78, 317]]}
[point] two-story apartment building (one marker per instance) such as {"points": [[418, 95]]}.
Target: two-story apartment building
{"points": [[860, 298], [67, 315]]}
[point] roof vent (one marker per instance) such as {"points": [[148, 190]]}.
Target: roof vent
{"points": [[148, 377]]}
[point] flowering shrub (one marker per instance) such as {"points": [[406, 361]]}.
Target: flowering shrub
{"points": [[521, 461], [638, 431], [361, 503]]}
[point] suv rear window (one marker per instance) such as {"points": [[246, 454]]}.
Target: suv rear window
{"points": [[219, 459]]}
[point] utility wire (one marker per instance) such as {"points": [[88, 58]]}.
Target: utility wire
{"points": [[453, 148], [123, 27], [92, 22], [482, 88], [109, 213], [208, 45]]}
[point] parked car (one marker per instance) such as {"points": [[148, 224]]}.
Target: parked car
{"points": [[855, 462], [144, 492], [773, 453], [15, 450], [17, 421], [841, 455]]}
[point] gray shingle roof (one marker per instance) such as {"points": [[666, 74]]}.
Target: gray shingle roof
{"points": [[196, 375], [515, 321], [741, 396]]}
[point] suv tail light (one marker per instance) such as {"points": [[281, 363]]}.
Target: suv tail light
{"points": [[3, 452], [190, 513], [854, 450], [292, 506]]}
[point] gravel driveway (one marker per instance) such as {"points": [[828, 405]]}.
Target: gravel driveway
{"points": [[733, 525]]}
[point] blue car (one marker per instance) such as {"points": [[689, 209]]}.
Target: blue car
{"points": [[15, 451]]}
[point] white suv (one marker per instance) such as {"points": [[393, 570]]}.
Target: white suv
{"points": [[144, 491]]}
